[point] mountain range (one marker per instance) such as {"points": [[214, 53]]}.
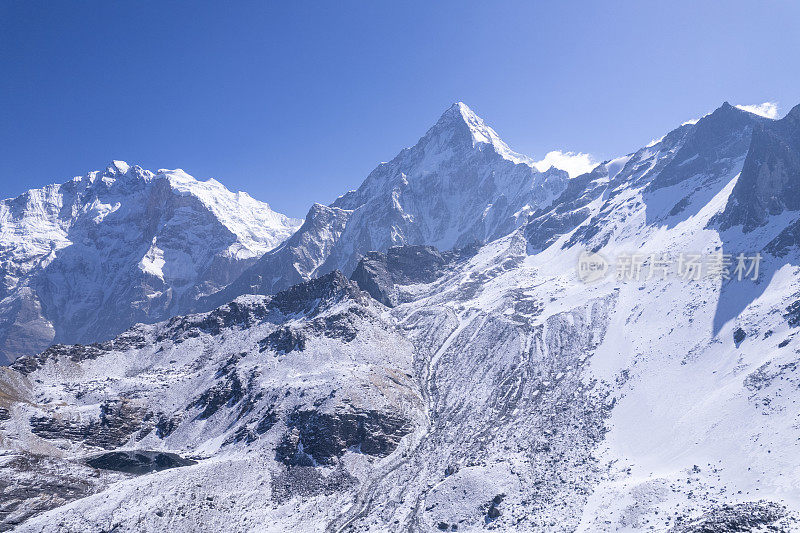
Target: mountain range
{"points": [[420, 355], [85, 260]]}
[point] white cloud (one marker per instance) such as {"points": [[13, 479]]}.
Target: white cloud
{"points": [[767, 109], [574, 163]]}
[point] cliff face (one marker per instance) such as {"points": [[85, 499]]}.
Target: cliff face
{"points": [[87, 259], [770, 179]]}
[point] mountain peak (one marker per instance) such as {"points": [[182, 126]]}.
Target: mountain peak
{"points": [[459, 111], [459, 114], [116, 167], [117, 170], [459, 120], [726, 109]]}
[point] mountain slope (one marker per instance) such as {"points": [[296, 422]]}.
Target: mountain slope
{"points": [[657, 186], [459, 185], [486, 388], [85, 260]]}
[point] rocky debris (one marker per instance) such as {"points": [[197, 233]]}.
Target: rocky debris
{"points": [[250, 431], [242, 434], [513, 402], [226, 392], [31, 484], [283, 340], [738, 336], [379, 273], [320, 438], [117, 421], [267, 422], [313, 296], [343, 326], [493, 510], [742, 517], [495, 357], [767, 373], [166, 424], [309, 297], [243, 313], [792, 314], [131, 339], [138, 462], [307, 481], [76, 353]]}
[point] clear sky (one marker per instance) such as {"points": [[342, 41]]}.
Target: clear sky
{"points": [[296, 102]]}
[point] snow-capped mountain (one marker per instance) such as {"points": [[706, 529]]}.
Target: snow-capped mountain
{"points": [[84, 260], [478, 388], [459, 185]]}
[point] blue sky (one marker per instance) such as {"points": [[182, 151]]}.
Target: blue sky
{"points": [[296, 102]]}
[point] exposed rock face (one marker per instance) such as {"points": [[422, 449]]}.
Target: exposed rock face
{"points": [[379, 274], [668, 180], [118, 420], [786, 241], [85, 260], [295, 261], [224, 393], [495, 391], [33, 484], [78, 352], [460, 184], [316, 294], [769, 182], [320, 438], [283, 340], [209, 380], [710, 147], [547, 224]]}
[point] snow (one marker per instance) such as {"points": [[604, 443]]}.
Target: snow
{"points": [[256, 226], [615, 166], [88, 237], [120, 166], [614, 406], [482, 133], [153, 261]]}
